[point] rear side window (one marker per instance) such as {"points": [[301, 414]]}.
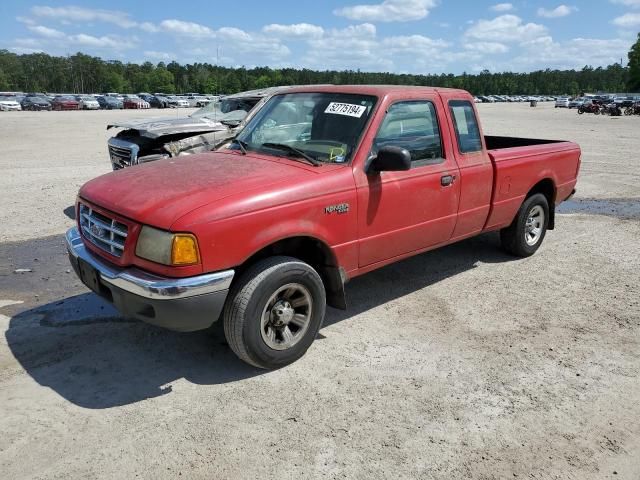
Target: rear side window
{"points": [[466, 125], [414, 126]]}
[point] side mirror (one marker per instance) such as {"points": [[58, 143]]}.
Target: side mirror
{"points": [[390, 159]]}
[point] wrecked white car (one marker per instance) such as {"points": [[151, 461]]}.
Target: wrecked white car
{"points": [[148, 140]]}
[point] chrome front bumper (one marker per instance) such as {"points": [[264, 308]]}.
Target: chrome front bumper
{"points": [[182, 304]]}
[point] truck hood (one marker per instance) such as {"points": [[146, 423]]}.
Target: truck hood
{"points": [[157, 127], [159, 193]]}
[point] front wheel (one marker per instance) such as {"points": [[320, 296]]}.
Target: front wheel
{"points": [[527, 231], [274, 312]]}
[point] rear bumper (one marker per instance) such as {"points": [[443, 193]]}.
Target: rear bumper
{"points": [[181, 304]]}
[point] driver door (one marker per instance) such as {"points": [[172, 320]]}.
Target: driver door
{"points": [[408, 211]]}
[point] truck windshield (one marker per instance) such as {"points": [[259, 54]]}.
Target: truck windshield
{"points": [[324, 126]]}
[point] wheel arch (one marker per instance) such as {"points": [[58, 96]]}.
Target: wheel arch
{"points": [[547, 188], [316, 253]]}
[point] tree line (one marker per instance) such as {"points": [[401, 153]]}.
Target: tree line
{"points": [[80, 73]]}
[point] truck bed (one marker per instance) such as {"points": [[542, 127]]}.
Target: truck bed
{"points": [[518, 161]]}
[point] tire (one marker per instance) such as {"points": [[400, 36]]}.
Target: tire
{"points": [[255, 331], [517, 238]]}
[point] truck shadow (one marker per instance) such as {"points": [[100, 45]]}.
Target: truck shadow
{"points": [[407, 276], [80, 347]]}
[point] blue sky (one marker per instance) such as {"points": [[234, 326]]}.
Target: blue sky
{"points": [[401, 36]]}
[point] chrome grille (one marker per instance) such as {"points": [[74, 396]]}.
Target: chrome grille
{"points": [[104, 232], [122, 153]]}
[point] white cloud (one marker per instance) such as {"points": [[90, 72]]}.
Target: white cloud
{"points": [[579, 52], [234, 34], [155, 55], [80, 14], [352, 47], [149, 27], [304, 30], [187, 29], [388, 11], [46, 32], [628, 20], [26, 20], [502, 7], [60, 42], [487, 47], [26, 50], [413, 43], [627, 3], [559, 11], [505, 28], [110, 42], [28, 42], [360, 47]]}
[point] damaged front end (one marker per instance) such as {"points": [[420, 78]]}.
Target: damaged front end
{"points": [[126, 150], [148, 140]]}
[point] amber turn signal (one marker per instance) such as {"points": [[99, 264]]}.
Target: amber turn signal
{"points": [[184, 250]]}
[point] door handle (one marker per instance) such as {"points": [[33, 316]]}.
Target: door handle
{"points": [[447, 180]]}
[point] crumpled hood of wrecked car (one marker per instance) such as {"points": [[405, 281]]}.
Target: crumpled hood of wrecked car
{"points": [[157, 127], [159, 193]]}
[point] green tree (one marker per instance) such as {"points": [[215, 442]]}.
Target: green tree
{"points": [[161, 80], [634, 67], [4, 81], [114, 82]]}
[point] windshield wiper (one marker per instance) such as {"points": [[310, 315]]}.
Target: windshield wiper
{"points": [[293, 150], [241, 144]]}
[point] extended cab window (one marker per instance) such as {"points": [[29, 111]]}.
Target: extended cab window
{"points": [[466, 125], [414, 126]]}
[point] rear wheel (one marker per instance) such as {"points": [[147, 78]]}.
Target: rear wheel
{"points": [[527, 231], [274, 312]]}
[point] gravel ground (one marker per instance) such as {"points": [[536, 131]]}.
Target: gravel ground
{"points": [[462, 363]]}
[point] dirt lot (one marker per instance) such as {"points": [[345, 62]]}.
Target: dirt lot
{"points": [[461, 363]]}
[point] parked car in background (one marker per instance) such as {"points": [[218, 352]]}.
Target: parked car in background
{"points": [[9, 103], [86, 102], [197, 100], [109, 103], [153, 101], [65, 102], [562, 102], [623, 102], [35, 103], [147, 140], [134, 102], [163, 100], [177, 102], [576, 102]]}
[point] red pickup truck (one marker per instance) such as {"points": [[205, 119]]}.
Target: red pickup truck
{"points": [[322, 185]]}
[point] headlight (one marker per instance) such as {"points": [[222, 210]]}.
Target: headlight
{"points": [[167, 248]]}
